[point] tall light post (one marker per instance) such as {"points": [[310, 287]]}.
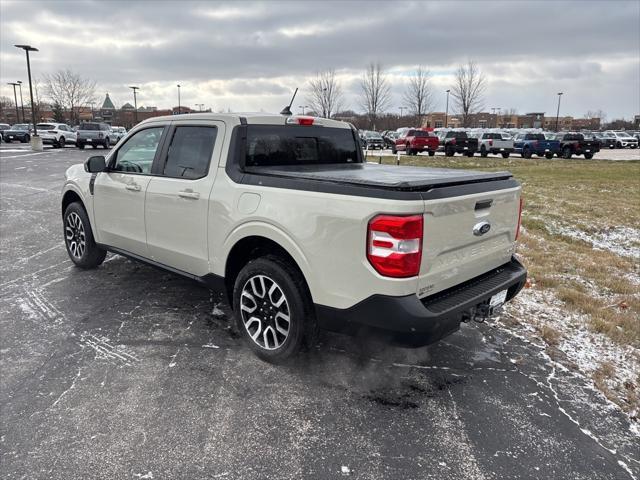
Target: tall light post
{"points": [[200, 105], [27, 49], [558, 111], [15, 98], [446, 113], [303, 107], [135, 103], [402, 109], [19, 82], [178, 99]]}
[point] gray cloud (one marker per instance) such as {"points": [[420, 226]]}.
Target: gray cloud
{"points": [[250, 55]]}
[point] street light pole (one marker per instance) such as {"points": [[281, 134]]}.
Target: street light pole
{"points": [[558, 112], [402, 109], [135, 103], [303, 107], [21, 102], [15, 98], [178, 99], [200, 105], [27, 49], [446, 113]]}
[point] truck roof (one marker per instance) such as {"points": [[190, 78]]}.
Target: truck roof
{"points": [[252, 118]]}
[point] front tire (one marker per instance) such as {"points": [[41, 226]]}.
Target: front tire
{"points": [[483, 152], [78, 238], [566, 153], [431, 153], [81, 146], [526, 153], [505, 154], [549, 155], [106, 144], [449, 152], [588, 156], [61, 142], [27, 139], [273, 308]]}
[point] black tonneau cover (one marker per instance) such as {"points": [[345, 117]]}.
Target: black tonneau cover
{"points": [[391, 177]]}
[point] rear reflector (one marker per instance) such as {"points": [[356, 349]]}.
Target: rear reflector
{"points": [[394, 245], [519, 217]]}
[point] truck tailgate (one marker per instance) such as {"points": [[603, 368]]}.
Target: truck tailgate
{"points": [[455, 249]]}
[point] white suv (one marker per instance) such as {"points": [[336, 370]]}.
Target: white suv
{"points": [[624, 140], [285, 218], [56, 134]]}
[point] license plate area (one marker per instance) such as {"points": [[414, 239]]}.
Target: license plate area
{"points": [[498, 299]]}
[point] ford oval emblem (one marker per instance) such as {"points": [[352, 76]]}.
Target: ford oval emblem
{"points": [[481, 228]]}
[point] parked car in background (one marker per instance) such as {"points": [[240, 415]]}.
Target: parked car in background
{"points": [[452, 142], [528, 144], [572, 143], [493, 142], [371, 140], [20, 132], [414, 141], [94, 134], [119, 132], [607, 140], [624, 139], [389, 138], [3, 128], [56, 134]]}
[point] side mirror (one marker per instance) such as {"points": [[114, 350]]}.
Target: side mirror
{"points": [[95, 164]]}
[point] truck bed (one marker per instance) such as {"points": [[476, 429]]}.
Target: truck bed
{"points": [[388, 177]]}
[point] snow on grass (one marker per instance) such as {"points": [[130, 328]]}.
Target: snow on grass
{"points": [[585, 350], [621, 240]]}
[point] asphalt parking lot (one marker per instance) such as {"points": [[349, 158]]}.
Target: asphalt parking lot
{"points": [[128, 372]]}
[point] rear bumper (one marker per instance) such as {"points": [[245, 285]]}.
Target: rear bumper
{"points": [[412, 321]]}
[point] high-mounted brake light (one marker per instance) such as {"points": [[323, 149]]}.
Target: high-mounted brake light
{"points": [[519, 218], [300, 120], [394, 245]]}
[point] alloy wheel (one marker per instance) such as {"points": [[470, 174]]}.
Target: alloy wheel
{"points": [[265, 312], [74, 235]]}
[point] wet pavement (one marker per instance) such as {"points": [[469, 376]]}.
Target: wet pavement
{"points": [[129, 372]]}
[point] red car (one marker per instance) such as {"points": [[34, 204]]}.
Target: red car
{"points": [[414, 141]]}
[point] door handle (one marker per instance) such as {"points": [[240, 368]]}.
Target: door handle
{"points": [[189, 194], [134, 187]]}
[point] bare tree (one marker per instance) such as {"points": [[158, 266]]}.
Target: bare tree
{"points": [[69, 90], [376, 92], [468, 89], [325, 94], [596, 114], [419, 96]]}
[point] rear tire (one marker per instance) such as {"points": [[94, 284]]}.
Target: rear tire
{"points": [[94, 146], [408, 150], [505, 154], [394, 150], [78, 238], [27, 139], [483, 152], [431, 153], [470, 154], [549, 155], [449, 151], [80, 146], [106, 144], [61, 142], [588, 156], [566, 153], [266, 293], [526, 152]]}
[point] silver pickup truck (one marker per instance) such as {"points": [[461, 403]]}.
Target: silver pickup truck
{"points": [[493, 142], [94, 134], [285, 218]]}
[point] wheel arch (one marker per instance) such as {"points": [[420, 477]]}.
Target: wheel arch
{"points": [[257, 242], [71, 196]]}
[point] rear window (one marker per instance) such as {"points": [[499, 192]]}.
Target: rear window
{"points": [[190, 152], [271, 145], [421, 134], [45, 126], [574, 136], [493, 136], [535, 136], [457, 135], [90, 126]]}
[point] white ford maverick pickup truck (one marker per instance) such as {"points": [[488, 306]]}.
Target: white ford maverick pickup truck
{"points": [[283, 216]]}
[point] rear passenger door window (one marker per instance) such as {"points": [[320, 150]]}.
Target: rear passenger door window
{"points": [[189, 152]]}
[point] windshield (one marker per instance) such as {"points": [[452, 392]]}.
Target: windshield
{"points": [[20, 126], [372, 135], [270, 145]]}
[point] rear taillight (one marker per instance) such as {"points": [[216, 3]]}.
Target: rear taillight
{"points": [[491, 143], [453, 141], [519, 217], [394, 245]]}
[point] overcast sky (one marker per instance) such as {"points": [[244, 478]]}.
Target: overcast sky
{"points": [[250, 56]]}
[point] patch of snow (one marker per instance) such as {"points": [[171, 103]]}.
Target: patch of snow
{"points": [[584, 348], [217, 311], [345, 470], [621, 240], [147, 475]]}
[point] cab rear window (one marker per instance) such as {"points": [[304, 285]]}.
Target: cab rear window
{"points": [[271, 145]]}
